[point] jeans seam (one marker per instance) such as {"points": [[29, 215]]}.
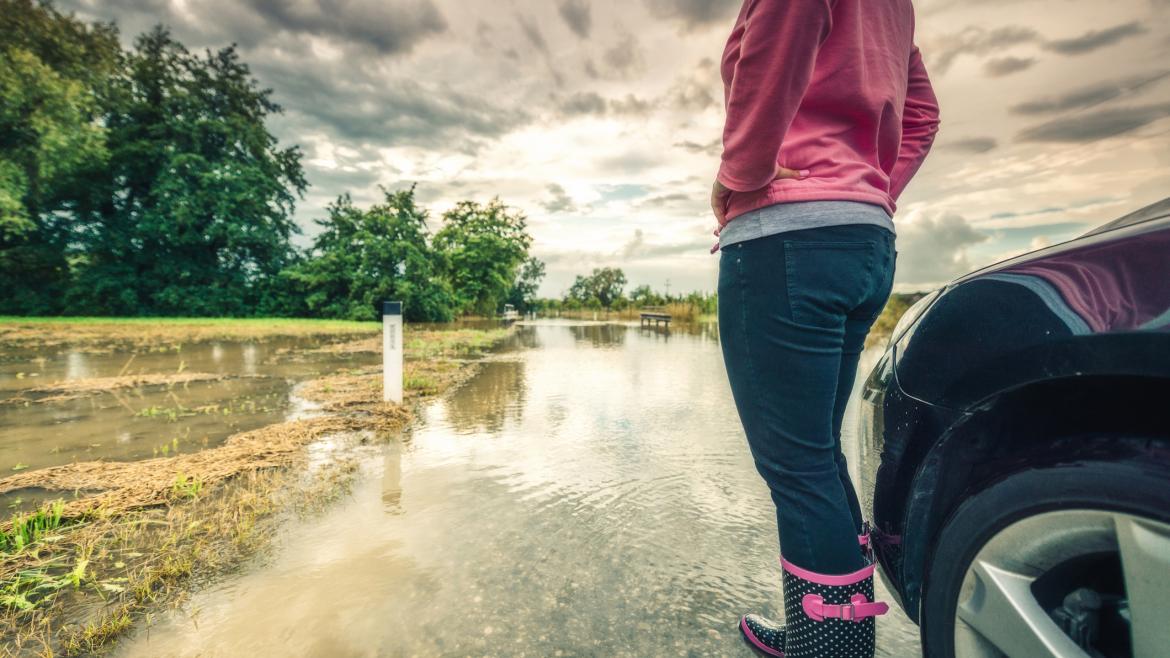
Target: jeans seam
{"points": [[743, 323], [874, 282]]}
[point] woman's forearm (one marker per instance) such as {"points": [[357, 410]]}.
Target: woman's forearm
{"points": [[775, 64]]}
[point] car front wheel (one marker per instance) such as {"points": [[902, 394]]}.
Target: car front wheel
{"points": [[1070, 560]]}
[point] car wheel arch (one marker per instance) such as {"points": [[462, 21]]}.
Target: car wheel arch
{"points": [[989, 443]]}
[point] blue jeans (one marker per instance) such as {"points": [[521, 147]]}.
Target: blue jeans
{"points": [[794, 310]]}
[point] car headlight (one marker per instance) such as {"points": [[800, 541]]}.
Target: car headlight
{"points": [[911, 316]]}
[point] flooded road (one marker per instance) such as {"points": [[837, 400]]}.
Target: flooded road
{"points": [[246, 386], [588, 492]]}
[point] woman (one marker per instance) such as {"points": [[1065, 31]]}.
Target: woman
{"points": [[829, 114]]}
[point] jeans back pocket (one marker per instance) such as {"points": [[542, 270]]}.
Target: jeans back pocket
{"points": [[827, 280]]}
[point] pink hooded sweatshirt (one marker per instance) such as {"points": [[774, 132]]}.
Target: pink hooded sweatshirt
{"points": [[834, 87]]}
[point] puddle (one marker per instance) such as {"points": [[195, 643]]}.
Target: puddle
{"points": [[588, 494], [149, 421]]}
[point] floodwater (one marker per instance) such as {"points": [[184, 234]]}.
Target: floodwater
{"points": [[149, 421], [588, 493]]}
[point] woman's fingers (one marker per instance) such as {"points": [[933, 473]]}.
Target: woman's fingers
{"points": [[785, 172], [719, 195]]}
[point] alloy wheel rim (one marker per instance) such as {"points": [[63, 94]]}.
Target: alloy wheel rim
{"points": [[998, 615]]}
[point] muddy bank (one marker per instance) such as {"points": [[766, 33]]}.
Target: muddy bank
{"points": [[80, 388], [122, 538], [107, 334]]}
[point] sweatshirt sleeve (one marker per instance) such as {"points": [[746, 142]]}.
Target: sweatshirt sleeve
{"points": [[777, 54], [919, 125]]}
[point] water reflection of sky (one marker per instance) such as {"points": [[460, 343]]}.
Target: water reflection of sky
{"points": [[589, 493]]}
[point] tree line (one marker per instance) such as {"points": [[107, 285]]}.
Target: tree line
{"points": [[605, 288], [146, 182]]}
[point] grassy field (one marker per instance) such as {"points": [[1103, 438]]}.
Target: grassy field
{"points": [[128, 538]]}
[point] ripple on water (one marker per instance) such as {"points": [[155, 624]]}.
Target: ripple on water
{"points": [[592, 497]]}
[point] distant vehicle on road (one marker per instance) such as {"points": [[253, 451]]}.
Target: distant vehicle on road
{"points": [[1016, 452]]}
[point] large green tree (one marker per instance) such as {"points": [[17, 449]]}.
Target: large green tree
{"points": [[197, 206], [483, 248], [605, 285], [55, 73], [523, 293], [362, 257]]}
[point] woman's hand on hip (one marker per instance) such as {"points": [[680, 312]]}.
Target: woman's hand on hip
{"points": [[720, 193]]}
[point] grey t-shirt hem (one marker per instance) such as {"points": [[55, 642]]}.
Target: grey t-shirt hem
{"points": [[798, 215]]}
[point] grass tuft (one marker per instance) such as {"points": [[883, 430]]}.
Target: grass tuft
{"points": [[27, 529]]}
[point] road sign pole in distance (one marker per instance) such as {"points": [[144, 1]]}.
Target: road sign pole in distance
{"points": [[392, 352]]}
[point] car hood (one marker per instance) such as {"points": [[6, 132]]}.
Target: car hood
{"points": [[1153, 217]]}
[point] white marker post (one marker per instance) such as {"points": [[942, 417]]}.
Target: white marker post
{"points": [[392, 352]]}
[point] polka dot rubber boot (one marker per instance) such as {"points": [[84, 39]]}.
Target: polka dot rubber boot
{"points": [[767, 636], [763, 635], [829, 616]]}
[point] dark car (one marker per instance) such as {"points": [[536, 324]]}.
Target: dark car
{"points": [[1015, 442]]}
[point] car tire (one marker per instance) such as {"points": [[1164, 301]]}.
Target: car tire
{"points": [[1123, 490]]}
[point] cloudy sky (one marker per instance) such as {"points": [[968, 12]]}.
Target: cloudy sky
{"points": [[601, 119]]}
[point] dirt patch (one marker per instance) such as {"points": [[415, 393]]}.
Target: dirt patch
{"points": [[360, 346], [108, 334]]}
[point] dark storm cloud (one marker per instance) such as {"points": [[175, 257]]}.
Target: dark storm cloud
{"points": [[691, 96], [590, 102], [685, 202], [389, 112], [341, 179], [664, 199], [933, 249], [558, 200], [582, 102], [1095, 39], [978, 41], [1094, 126], [484, 35], [631, 163], [631, 104], [1090, 95], [620, 60], [970, 144], [536, 39], [694, 13], [532, 33], [624, 56], [578, 16], [388, 27], [696, 90], [928, 8], [428, 193], [637, 248], [1001, 66], [713, 147]]}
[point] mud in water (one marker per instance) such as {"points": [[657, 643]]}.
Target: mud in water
{"points": [[587, 493], [60, 405]]}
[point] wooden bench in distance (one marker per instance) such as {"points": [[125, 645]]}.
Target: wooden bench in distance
{"points": [[655, 315]]}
